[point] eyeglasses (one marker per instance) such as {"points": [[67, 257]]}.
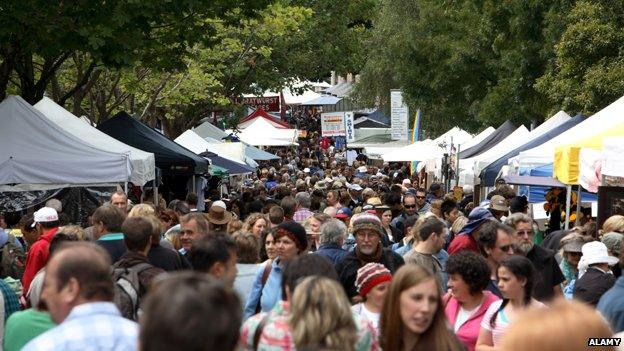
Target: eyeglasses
{"points": [[409, 206], [505, 248], [524, 232], [420, 197]]}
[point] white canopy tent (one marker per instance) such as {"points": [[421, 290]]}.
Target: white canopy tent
{"points": [[261, 133], [599, 122], [143, 164], [419, 151], [39, 155], [478, 138], [232, 151]]}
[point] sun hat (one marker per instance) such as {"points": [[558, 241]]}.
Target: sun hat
{"points": [[45, 214], [218, 215], [595, 252], [498, 203], [369, 276], [613, 241], [320, 185], [219, 203]]}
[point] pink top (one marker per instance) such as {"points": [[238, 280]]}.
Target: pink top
{"points": [[469, 331]]}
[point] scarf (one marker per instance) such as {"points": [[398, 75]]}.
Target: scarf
{"points": [[364, 259]]}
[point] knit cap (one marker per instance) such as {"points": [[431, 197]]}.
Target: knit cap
{"points": [[613, 241], [371, 275], [295, 232], [367, 221]]}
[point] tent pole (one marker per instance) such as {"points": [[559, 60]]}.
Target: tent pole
{"points": [[578, 206], [567, 210], [457, 166]]}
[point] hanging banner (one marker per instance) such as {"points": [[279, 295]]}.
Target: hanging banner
{"points": [[399, 116], [332, 124], [349, 126], [267, 103]]}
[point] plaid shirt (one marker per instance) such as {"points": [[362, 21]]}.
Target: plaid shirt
{"points": [[90, 326], [11, 301], [276, 334], [302, 214]]}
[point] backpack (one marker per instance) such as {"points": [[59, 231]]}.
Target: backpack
{"points": [[13, 259], [127, 287]]}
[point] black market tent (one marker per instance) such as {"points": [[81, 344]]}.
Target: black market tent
{"points": [[171, 158], [232, 167], [488, 174], [497, 136]]}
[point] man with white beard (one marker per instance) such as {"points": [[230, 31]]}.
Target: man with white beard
{"points": [[548, 275], [367, 230]]}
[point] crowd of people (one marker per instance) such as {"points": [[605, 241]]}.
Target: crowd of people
{"points": [[311, 253]]}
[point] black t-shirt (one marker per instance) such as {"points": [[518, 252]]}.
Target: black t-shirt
{"points": [[164, 258], [547, 273], [115, 248]]}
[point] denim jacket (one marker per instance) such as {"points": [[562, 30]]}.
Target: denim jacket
{"points": [[269, 295]]}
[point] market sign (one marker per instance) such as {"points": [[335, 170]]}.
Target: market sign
{"points": [[399, 116], [349, 126], [267, 103], [332, 124]]}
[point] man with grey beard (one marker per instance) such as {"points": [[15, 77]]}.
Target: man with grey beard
{"points": [[548, 275], [367, 230]]}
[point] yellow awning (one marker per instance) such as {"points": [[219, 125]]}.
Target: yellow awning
{"points": [[566, 166]]}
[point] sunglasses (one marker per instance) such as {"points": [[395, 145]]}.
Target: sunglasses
{"points": [[505, 248], [409, 206], [420, 197]]}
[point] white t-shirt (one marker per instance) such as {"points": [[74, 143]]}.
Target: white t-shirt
{"points": [[501, 323], [463, 316], [360, 309]]}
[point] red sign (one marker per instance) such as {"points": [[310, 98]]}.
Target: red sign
{"points": [[267, 103]]}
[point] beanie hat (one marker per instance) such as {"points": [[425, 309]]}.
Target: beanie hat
{"points": [[295, 232], [613, 242], [371, 275], [367, 221]]}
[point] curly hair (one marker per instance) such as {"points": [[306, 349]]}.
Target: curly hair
{"points": [[472, 267]]}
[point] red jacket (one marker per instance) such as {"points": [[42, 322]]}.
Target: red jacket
{"points": [[37, 258], [463, 242]]}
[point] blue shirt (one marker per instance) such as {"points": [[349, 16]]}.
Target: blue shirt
{"points": [[611, 305], [269, 295], [90, 326]]}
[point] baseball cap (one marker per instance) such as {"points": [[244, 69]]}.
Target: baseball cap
{"points": [[498, 203], [45, 214], [343, 213]]}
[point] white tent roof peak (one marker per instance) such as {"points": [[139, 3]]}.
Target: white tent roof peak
{"points": [[143, 163]]}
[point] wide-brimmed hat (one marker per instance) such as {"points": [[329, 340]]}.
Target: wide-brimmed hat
{"points": [[320, 185], [499, 203], [597, 252], [218, 215], [476, 218]]}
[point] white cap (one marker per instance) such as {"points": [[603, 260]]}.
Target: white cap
{"points": [[355, 187], [219, 203], [362, 169], [45, 214], [306, 170], [407, 181]]}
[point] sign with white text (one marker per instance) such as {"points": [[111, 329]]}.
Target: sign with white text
{"points": [[332, 124], [399, 116], [349, 126]]}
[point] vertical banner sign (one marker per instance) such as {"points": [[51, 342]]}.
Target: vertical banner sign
{"points": [[399, 116], [349, 127], [332, 124]]}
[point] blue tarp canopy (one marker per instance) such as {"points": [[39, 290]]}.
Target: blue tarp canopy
{"points": [[538, 193], [259, 155], [232, 167], [489, 173]]}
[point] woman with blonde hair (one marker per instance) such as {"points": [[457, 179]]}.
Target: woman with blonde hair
{"points": [[142, 210], [320, 316], [568, 326], [413, 317], [613, 224], [255, 224]]}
